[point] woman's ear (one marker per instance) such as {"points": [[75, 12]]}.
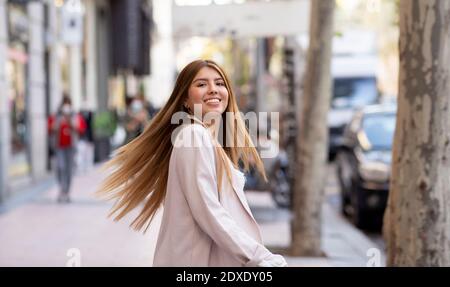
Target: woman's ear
{"points": [[186, 106]]}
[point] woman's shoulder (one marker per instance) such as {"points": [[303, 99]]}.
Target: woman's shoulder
{"points": [[192, 135], [191, 128], [195, 127]]}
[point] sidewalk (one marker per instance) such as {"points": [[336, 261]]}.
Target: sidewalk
{"points": [[342, 243], [43, 233]]}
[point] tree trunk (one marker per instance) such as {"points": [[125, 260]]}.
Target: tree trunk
{"points": [[417, 219], [313, 140]]}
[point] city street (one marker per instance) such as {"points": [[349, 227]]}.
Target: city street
{"points": [[361, 82], [42, 232]]}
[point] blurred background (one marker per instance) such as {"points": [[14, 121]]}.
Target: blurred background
{"points": [[117, 61]]}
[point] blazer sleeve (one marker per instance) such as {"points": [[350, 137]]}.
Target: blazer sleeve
{"points": [[195, 167]]}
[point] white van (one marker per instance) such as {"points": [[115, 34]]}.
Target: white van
{"points": [[354, 71]]}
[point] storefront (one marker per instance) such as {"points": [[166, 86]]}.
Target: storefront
{"points": [[16, 73]]}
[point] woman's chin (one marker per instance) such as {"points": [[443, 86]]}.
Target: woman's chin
{"points": [[213, 111]]}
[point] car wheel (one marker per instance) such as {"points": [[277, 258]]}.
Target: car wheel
{"points": [[345, 204], [359, 216], [344, 189]]}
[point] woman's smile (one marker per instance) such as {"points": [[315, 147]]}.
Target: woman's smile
{"points": [[208, 89], [213, 101]]}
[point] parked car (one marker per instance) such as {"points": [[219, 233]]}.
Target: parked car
{"points": [[354, 72], [349, 94], [363, 164]]}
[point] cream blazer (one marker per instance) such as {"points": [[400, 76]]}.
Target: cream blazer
{"points": [[199, 227]]}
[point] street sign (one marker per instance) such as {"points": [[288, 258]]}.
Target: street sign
{"points": [[72, 23]]}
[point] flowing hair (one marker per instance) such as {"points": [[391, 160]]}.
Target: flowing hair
{"points": [[140, 169]]}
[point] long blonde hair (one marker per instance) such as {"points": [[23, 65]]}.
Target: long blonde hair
{"points": [[140, 168]]}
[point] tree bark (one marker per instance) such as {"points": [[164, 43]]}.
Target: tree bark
{"points": [[417, 219], [313, 135]]}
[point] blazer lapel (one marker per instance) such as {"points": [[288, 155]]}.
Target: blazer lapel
{"points": [[238, 184]]}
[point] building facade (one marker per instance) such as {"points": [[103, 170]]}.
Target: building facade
{"points": [[49, 48]]}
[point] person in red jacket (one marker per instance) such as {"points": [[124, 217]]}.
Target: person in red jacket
{"points": [[64, 128]]}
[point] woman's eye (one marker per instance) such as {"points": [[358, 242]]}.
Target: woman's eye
{"points": [[201, 85], [220, 84]]}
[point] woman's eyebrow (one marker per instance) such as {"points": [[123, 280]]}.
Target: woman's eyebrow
{"points": [[203, 79]]}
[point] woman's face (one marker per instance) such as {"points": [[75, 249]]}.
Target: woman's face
{"points": [[208, 90]]}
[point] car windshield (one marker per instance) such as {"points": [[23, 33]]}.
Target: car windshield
{"points": [[379, 129], [354, 92]]}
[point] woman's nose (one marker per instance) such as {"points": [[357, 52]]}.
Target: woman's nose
{"points": [[212, 89]]}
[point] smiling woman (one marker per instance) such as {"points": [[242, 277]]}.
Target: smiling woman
{"points": [[208, 90], [206, 220]]}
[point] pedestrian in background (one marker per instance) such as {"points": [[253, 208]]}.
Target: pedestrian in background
{"points": [[136, 119], [64, 128], [206, 218], [151, 110], [85, 147]]}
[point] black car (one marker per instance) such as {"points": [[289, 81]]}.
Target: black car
{"points": [[349, 94], [363, 164]]}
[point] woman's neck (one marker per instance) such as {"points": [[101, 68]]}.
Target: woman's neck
{"points": [[213, 126]]}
